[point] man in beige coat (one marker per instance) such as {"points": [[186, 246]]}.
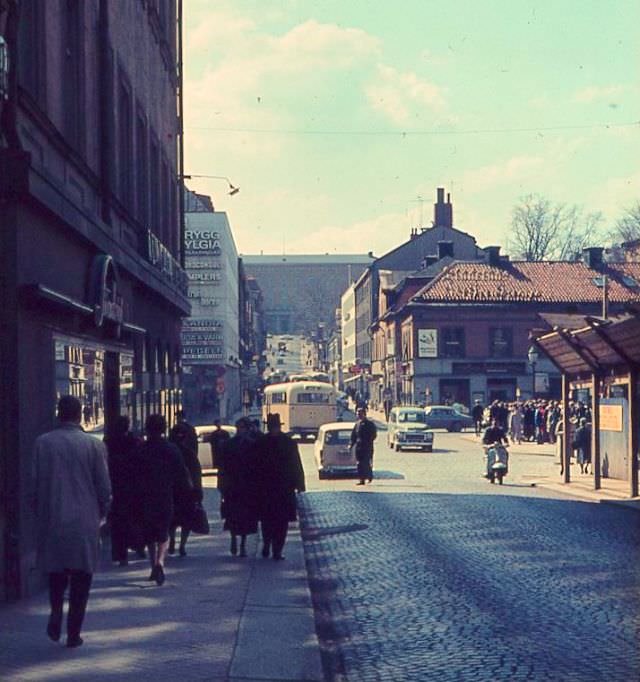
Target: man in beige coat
{"points": [[72, 496]]}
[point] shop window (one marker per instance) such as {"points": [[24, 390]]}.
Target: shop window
{"points": [[501, 342], [452, 342], [80, 372]]}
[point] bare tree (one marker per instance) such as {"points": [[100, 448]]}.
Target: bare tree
{"points": [[627, 227], [542, 230]]}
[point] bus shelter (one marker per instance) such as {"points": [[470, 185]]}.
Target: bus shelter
{"points": [[601, 358]]}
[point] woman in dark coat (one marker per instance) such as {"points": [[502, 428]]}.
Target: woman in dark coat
{"points": [[236, 467], [183, 436], [124, 516], [163, 480], [280, 476]]}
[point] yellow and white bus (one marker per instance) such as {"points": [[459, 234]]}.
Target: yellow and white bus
{"points": [[303, 406]]}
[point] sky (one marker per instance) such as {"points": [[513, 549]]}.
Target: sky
{"points": [[339, 118]]}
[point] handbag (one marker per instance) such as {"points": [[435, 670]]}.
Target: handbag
{"points": [[199, 522]]}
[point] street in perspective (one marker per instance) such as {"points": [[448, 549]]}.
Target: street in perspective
{"points": [[319, 341]]}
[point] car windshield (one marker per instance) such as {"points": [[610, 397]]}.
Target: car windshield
{"points": [[416, 417], [337, 437]]}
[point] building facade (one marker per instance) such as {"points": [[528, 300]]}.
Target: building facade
{"points": [[465, 335], [301, 290], [90, 261], [211, 335], [424, 247]]}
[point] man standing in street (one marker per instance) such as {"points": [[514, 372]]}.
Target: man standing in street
{"points": [[279, 476], [217, 439], [477, 414], [362, 437], [72, 496]]}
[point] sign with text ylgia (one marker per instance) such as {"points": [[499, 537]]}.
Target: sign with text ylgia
{"points": [[427, 343]]}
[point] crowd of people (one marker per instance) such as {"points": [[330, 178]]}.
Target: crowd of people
{"points": [[147, 489]]}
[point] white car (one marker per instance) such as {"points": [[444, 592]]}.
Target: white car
{"points": [[333, 451], [407, 428]]}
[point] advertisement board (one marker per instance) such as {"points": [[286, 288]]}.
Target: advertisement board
{"points": [[427, 343]]}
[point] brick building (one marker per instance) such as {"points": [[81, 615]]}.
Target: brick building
{"points": [[424, 248], [465, 334], [91, 286], [302, 290]]}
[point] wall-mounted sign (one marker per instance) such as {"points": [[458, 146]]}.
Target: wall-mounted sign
{"points": [[202, 240], [611, 417], [201, 323], [104, 292], [208, 277], [427, 343], [541, 382]]}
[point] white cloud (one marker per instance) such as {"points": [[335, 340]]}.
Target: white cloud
{"points": [[517, 169], [404, 96], [595, 93]]}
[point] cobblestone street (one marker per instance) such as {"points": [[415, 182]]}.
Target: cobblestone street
{"points": [[432, 573]]}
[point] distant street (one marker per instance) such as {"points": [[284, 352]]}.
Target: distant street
{"points": [[432, 573]]}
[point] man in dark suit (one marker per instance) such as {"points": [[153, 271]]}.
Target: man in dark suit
{"points": [[362, 437]]}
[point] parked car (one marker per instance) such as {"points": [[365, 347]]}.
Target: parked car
{"points": [[204, 430], [446, 417], [333, 451], [407, 428]]}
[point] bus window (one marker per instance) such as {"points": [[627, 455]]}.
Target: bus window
{"points": [[313, 398], [278, 398]]}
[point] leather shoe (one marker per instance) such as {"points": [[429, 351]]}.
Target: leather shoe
{"points": [[360, 483], [73, 642], [159, 575], [54, 626]]}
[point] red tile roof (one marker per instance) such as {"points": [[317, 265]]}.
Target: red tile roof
{"points": [[521, 282]]}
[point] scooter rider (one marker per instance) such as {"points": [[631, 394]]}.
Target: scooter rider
{"points": [[494, 434], [494, 437]]}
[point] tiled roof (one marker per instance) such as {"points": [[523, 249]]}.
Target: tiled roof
{"points": [[521, 282]]}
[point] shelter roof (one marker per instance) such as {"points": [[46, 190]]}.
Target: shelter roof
{"points": [[597, 346]]}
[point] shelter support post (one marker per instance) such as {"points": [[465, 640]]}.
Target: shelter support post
{"points": [[566, 432], [633, 426], [595, 430]]}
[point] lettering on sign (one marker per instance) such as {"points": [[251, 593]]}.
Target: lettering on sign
{"points": [[202, 323], [205, 277], [203, 264], [203, 240], [194, 339], [427, 343], [611, 417]]}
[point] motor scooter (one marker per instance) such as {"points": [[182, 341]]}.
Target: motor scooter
{"points": [[497, 457]]}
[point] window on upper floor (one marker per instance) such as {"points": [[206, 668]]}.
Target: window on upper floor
{"points": [[125, 141], [452, 342], [501, 342], [31, 49], [73, 72], [142, 170]]}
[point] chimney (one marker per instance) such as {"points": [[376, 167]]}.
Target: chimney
{"points": [[428, 261], [414, 233], [592, 256], [445, 248], [442, 211], [493, 255]]}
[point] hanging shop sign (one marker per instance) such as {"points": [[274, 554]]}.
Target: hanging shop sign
{"points": [[104, 292]]}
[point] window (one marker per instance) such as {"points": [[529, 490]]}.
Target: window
{"points": [[452, 342], [72, 61], [412, 417], [31, 49], [125, 170], [308, 398], [337, 438], [278, 398], [501, 342], [154, 177], [142, 170]]}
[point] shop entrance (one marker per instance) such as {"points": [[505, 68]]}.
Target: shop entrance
{"points": [[503, 389], [454, 391]]}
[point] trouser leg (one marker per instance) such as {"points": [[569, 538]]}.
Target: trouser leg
{"points": [[57, 586], [78, 598], [279, 537]]}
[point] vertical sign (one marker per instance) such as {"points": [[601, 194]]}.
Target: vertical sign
{"points": [[427, 343]]}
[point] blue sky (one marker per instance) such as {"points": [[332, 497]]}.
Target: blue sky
{"points": [[334, 117]]}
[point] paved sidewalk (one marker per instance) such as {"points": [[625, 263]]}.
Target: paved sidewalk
{"points": [[217, 618]]}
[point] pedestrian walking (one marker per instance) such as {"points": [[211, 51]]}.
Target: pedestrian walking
{"points": [[582, 443], [72, 496], [362, 437], [124, 517], [239, 504], [183, 435], [477, 414], [515, 424], [280, 476], [216, 440], [164, 482]]}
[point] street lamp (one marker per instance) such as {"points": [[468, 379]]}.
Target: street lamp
{"points": [[232, 188], [533, 356]]}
